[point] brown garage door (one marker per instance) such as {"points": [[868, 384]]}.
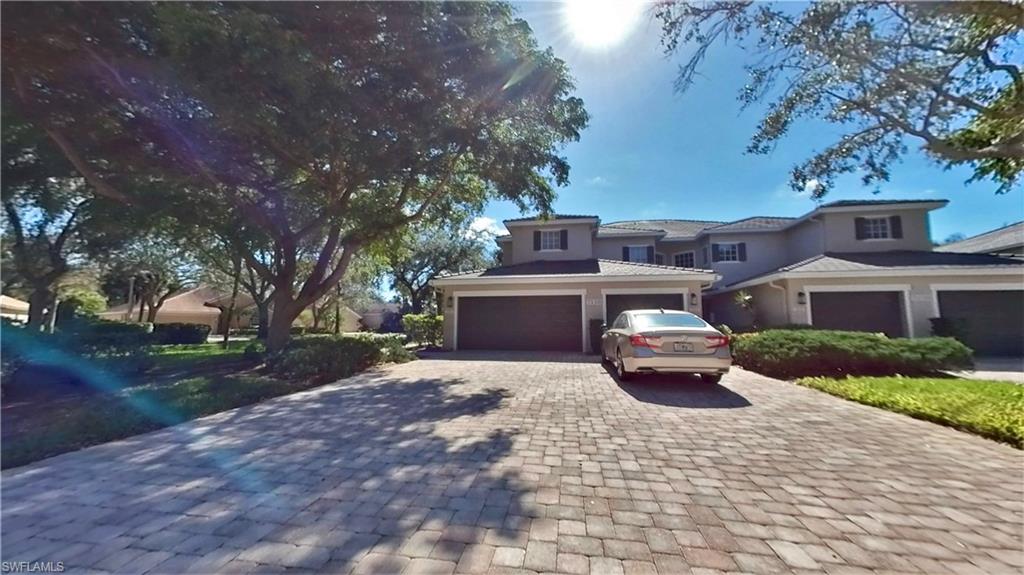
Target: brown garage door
{"points": [[875, 311], [616, 304], [994, 319], [520, 323]]}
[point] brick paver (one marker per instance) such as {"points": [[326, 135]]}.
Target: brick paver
{"points": [[473, 463]]}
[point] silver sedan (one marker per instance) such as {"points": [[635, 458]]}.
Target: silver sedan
{"points": [[665, 341]]}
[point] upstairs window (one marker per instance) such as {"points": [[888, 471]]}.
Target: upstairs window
{"points": [[640, 254], [684, 260], [659, 259], [550, 240], [729, 252], [883, 228]]}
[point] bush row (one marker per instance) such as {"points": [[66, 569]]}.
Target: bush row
{"points": [[805, 353], [331, 357], [423, 328]]}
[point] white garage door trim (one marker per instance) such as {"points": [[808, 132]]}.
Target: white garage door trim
{"points": [[936, 288], [526, 293], [685, 292], [908, 317]]}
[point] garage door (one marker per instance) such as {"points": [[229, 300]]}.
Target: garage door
{"points": [[876, 311], [994, 319], [616, 304], [520, 323]]}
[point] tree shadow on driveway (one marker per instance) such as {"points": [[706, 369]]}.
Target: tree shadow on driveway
{"points": [[312, 481], [679, 390]]}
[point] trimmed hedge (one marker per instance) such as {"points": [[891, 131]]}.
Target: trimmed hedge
{"points": [[181, 333], [332, 357], [808, 353], [423, 328]]}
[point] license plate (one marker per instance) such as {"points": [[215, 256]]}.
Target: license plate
{"points": [[683, 346]]}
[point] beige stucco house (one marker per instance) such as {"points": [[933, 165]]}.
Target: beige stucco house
{"points": [[13, 308], [193, 305], [1005, 241], [861, 265]]}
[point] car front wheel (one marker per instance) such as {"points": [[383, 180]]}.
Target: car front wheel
{"points": [[711, 377]]}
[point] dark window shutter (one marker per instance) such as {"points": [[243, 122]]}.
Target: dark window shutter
{"points": [[536, 240], [625, 253], [714, 252], [742, 249], [858, 228], [650, 254], [563, 237], [896, 227]]}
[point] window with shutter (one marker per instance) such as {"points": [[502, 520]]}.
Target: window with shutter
{"points": [[641, 254], [550, 240], [875, 229], [727, 252]]}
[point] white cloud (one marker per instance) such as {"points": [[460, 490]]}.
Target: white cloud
{"points": [[598, 182], [483, 226]]}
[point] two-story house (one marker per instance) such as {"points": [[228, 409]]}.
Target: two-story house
{"points": [[862, 265]]}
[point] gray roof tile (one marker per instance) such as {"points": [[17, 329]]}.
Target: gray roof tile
{"points": [[577, 268], [751, 224], [674, 229], [988, 242]]}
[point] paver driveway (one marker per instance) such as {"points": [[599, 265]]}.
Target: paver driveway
{"points": [[476, 463]]}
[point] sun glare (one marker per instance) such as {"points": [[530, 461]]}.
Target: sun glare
{"points": [[601, 23]]}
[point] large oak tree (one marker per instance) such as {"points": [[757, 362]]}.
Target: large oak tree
{"points": [[944, 75], [325, 127]]}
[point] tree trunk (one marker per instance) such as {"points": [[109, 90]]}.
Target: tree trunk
{"points": [[337, 309], [151, 312], [234, 296], [285, 312], [51, 315], [416, 298], [142, 309], [37, 302], [262, 319]]}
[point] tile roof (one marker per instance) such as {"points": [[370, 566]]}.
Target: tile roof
{"points": [[753, 223], [988, 242], [895, 261], [576, 268], [611, 231], [674, 229], [852, 203], [553, 217]]}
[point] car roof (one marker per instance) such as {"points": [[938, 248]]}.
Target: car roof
{"points": [[666, 311]]}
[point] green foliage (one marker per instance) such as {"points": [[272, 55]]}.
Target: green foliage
{"points": [[139, 410], [327, 358], [993, 409], [801, 353], [84, 301], [946, 74], [255, 351], [423, 328], [181, 333]]}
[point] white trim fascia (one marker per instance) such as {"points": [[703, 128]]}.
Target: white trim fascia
{"points": [[908, 315], [468, 282], [630, 234], [605, 292], [1013, 271], [499, 293], [936, 288]]}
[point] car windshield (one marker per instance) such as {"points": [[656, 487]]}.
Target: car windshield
{"points": [[649, 320]]}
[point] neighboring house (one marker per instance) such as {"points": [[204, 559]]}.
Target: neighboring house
{"points": [[189, 306], [375, 313], [13, 308], [1004, 241], [863, 265]]}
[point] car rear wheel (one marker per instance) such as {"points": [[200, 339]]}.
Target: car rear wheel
{"points": [[711, 377], [620, 367]]}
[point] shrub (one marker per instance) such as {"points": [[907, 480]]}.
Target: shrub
{"points": [[254, 351], [423, 328], [181, 333], [949, 327], [325, 358], [802, 353]]}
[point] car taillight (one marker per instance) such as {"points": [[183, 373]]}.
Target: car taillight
{"points": [[640, 340], [716, 341]]}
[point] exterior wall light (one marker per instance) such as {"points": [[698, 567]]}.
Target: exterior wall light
{"points": [[693, 300], [449, 302], [801, 298]]}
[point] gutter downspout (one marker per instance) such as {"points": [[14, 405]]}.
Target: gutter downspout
{"points": [[785, 300]]}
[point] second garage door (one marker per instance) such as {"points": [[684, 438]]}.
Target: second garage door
{"points": [[615, 304], [994, 319], [552, 323], [876, 311]]}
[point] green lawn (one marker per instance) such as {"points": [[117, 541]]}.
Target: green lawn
{"points": [[99, 419], [993, 409], [170, 356]]}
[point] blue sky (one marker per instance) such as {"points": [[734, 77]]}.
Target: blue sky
{"points": [[652, 153]]}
